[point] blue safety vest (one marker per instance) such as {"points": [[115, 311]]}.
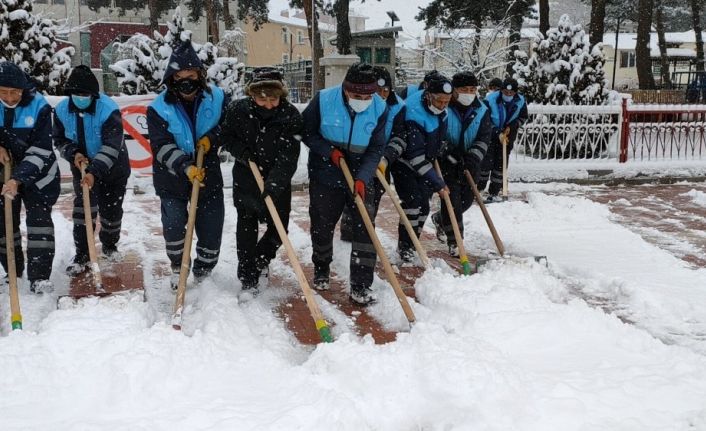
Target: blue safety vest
{"points": [[208, 115], [25, 116], [497, 109], [391, 114], [92, 122], [342, 130], [455, 125], [412, 89], [417, 113]]}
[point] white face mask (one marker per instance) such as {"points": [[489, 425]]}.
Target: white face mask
{"points": [[436, 111], [8, 105], [359, 105], [466, 99]]}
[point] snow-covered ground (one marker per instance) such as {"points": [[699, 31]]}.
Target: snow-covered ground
{"points": [[610, 336]]}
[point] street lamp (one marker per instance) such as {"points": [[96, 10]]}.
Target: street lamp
{"points": [[393, 16]]}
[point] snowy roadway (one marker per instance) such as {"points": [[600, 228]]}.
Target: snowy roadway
{"points": [[611, 336]]}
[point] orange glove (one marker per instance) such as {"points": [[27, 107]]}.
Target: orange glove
{"points": [[204, 143], [196, 174], [360, 188], [336, 156]]}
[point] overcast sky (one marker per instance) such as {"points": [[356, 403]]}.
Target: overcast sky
{"points": [[375, 11]]}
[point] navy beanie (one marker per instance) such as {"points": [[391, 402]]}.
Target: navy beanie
{"points": [[439, 84], [182, 58], [12, 76], [360, 79], [509, 84], [82, 80]]}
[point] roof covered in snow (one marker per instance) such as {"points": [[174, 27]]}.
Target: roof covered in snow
{"points": [[627, 41], [275, 17]]}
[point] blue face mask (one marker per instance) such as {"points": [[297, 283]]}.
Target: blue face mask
{"points": [[508, 99], [81, 102]]}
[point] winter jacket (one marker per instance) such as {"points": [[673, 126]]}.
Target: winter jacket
{"points": [[28, 139], [97, 133], [425, 133], [514, 117], [273, 144], [468, 134], [395, 128], [330, 123], [173, 138]]}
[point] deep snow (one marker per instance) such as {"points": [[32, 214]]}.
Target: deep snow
{"points": [[612, 335]]}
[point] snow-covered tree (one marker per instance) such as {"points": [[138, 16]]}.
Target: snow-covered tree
{"points": [[30, 41], [143, 60], [562, 69]]}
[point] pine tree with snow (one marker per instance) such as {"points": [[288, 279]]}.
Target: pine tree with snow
{"points": [[139, 70], [144, 60], [562, 68], [30, 41]]}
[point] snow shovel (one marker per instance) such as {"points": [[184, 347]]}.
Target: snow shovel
{"points": [[503, 141], [15, 313], [498, 242], [389, 272], [319, 321], [186, 253], [90, 238], [462, 257], [403, 217]]}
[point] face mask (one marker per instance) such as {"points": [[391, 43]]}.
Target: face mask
{"points": [[359, 105], [7, 105], [508, 99], [466, 99], [81, 102], [436, 111], [187, 86]]}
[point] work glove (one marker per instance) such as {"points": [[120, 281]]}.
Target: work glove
{"points": [[336, 156], [359, 188], [204, 143], [196, 174]]}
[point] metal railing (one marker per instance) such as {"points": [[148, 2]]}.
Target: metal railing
{"points": [[627, 132], [569, 132]]}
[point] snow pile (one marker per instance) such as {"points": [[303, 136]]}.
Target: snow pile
{"points": [[517, 346], [698, 197]]}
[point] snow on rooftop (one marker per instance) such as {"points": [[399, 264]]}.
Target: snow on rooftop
{"points": [[627, 41], [276, 17]]}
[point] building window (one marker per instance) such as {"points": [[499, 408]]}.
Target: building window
{"points": [[300, 37], [382, 55], [58, 2], [365, 54], [285, 58], [41, 1], [300, 57], [285, 31], [627, 59]]}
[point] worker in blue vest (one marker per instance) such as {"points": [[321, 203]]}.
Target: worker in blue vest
{"points": [[88, 129], [344, 122], [26, 145], [508, 112], [493, 86], [468, 136], [183, 118], [413, 171], [410, 89], [394, 134]]}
